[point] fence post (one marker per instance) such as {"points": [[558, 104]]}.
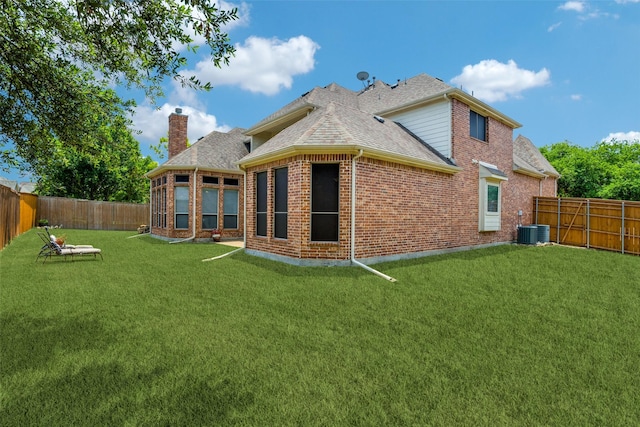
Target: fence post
{"points": [[622, 229], [558, 226], [537, 209], [588, 224]]}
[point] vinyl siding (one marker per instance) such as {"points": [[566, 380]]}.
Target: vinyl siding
{"points": [[431, 123]]}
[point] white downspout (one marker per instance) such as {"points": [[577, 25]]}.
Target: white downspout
{"points": [[150, 205], [353, 223], [193, 218], [353, 203], [244, 209]]}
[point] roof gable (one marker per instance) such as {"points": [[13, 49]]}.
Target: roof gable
{"points": [[215, 151], [380, 97], [340, 128], [528, 159]]}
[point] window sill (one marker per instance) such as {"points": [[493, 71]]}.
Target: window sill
{"points": [[473, 138]]}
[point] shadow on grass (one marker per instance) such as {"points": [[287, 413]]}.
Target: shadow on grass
{"points": [[107, 393], [110, 394], [41, 337], [463, 255], [357, 272], [289, 270]]}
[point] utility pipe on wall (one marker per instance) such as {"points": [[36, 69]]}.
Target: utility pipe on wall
{"points": [[353, 223], [353, 203]]}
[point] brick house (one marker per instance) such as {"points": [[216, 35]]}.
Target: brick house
{"points": [[389, 172]]}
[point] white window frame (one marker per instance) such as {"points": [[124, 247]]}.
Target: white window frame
{"points": [[210, 214], [490, 176], [176, 191]]}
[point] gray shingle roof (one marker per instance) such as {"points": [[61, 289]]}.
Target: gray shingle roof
{"points": [[341, 125], [339, 117], [216, 151], [316, 97], [529, 159], [382, 97]]}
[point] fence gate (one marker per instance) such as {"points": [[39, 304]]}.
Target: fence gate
{"points": [[612, 225]]}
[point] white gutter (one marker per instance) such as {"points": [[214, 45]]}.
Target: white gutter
{"points": [[193, 218], [353, 222]]}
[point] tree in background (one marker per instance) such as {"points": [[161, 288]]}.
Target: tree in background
{"points": [[57, 58], [609, 170], [109, 167]]}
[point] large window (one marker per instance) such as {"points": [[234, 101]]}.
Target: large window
{"points": [[230, 208], [181, 207], [280, 201], [261, 204], [325, 198], [209, 208], [164, 204], [478, 126]]}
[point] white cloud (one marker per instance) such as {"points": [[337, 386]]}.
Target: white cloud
{"points": [[554, 27], [491, 80], [623, 136], [262, 65], [627, 1], [586, 11], [153, 123], [576, 97], [575, 6]]}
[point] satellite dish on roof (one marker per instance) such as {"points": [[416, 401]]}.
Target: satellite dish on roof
{"points": [[362, 76]]}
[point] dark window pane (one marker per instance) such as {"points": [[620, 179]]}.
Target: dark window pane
{"points": [[209, 179], [230, 181], [280, 226], [477, 126], [281, 203], [209, 222], [231, 221], [261, 224], [324, 227], [281, 184], [182, 178], [182, 221], [493, 193], [324, 187], [261, 192]]}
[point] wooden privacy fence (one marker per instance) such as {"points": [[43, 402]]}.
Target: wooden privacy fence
{"points": [[9, 215], [612, 225], [92, 215], [28, 211]]}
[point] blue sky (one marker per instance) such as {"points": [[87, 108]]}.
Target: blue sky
{"points": [[565, 70]]}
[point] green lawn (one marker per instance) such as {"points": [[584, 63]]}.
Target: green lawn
{"points": [[152, 335]]}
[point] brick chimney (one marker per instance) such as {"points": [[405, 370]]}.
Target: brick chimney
{"points": [[177, 133]]}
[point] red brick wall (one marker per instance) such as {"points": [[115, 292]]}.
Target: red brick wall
{"points": [[177, 134], [402, 209], [298, 243], [171, 232]]}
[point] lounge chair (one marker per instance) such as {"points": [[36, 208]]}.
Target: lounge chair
{"points": [[51, 248]]}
